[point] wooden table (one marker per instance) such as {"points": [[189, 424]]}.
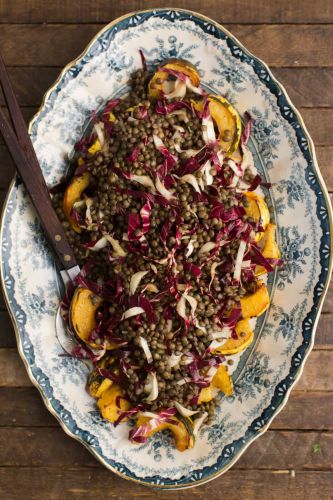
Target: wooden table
{"points": [[294, 459]]}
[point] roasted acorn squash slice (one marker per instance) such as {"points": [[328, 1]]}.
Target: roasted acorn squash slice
{"points": [[179, 431], [244, 339], [112, 403], [257, 209], [255, 304], [271, 249], [155, 86], [223, 381], [72, 195], [227, 121], [83, 310]]}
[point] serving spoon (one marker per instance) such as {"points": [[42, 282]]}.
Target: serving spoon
{"points": [[21, 149]]}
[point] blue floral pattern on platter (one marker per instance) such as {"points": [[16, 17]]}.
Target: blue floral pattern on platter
{"points": [[283, 154]]}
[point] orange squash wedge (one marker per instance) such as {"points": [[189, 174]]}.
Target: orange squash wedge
{"points": [[179, 431], [112, 403], [83, 310], [245, 337], [95, 147], [223, 381], [97, 387], [255, 304], [207, 394], [271, 249], [227, 121], [155, 85], [72, 195], [257, 209]]}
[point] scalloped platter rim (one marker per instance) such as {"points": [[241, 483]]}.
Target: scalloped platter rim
{"points": [[284, 155]]}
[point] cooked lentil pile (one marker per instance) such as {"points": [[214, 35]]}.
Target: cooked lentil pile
{"points": [[164, 226]]}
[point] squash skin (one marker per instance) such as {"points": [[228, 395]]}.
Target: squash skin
{"points": [[226, 118], [207, 394], [255, 304], [180, 433], [83, 310], [97, 383], [234, 346], [223, 381], [155, 90], [107, 403], [258, 210], [72, 195], [95, 147], [185, 67], [98, 387], [271, 249]]}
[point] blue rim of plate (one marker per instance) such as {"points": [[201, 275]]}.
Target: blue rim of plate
{"points": [[231, 452]]}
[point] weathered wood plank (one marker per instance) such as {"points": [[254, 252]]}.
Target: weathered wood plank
{"points": [[305, 410], [80, 483], [318, 124], [324, 333], [102, 11], [7, 334], [316, 375], [28, 113], [325, 162], [291, 45], [278, 45], [23, 407], [12, 371], [288, 449], [328, 304], [31, 83], [302, 85], [51, 447]]}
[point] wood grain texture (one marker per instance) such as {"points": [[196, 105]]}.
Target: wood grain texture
{"points": [[81, 483], [325, 162], [7, 334], [51, 447], [306, 410], [12, 373], [277, 45], [37, 460], [228, 11]]}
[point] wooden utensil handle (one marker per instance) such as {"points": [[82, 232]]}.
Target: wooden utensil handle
{"points": [[34, 182]]}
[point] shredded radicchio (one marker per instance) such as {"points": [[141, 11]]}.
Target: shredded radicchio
{"points": [[172, 224]]}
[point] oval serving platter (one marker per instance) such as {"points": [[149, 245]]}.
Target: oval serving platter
{"points": [[284, 156]]}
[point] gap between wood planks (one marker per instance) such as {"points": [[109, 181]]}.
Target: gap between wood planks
{"points": [[100, 484], [103, 11], [274, 450], [278, 45]]}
